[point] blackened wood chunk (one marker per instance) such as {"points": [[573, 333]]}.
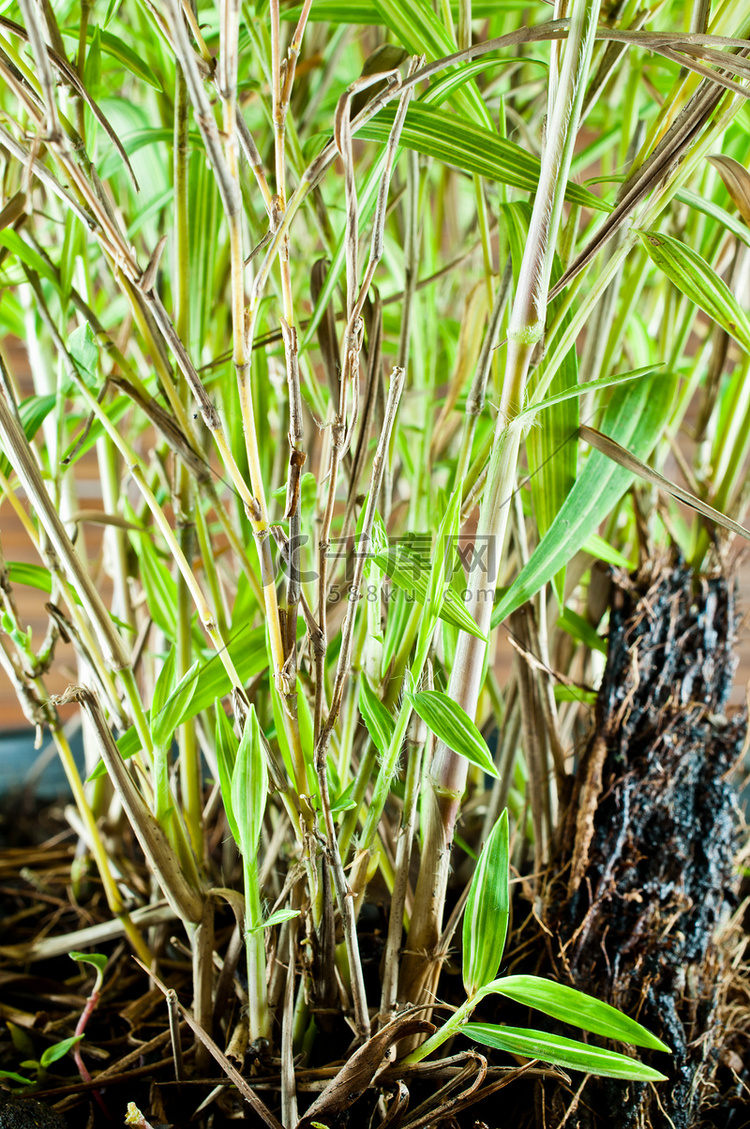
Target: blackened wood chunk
{"points": [[647, 846]]}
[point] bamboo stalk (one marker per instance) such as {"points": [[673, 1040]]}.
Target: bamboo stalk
{"points": [[448, 769]]}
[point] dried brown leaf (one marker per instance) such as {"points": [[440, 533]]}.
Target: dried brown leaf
{"points": [[736, 181], [357, 1074]]}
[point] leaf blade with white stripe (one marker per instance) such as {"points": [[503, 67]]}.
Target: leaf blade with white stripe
{"points": [[485, 925], [559, 1051]]}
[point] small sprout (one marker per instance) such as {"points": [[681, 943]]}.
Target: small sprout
{"points": [[136, 1118]]}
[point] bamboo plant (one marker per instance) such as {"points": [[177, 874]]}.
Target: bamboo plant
{"points": [[379, 323]]}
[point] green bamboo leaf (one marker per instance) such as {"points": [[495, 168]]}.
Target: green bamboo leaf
{"points": [[417, 27], [112, 7], [407, 576], [575, 694], [116, 46], [598, 547], [206, 216], [439, 91], [487, 909], [636, 415], [591, 386], [579, 628], [560, 1051], [400, 607], [345, 801], [226, 758], [443, 562], [164, 685], [58, 1050], [716, 212], [12, 315], [71, 250], [166, 720], [247, 650], [277, 918], [84, 350], [139, 139], [33, 412], [93, 76], [36, 576], [367, 12], [114, 412], [452, 724], [571, 1006], [458, 141], [10, 239], [379, 721], [249, 786], [699, 282]]}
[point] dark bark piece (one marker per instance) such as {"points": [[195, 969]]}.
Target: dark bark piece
{"points": [[652, 840]]}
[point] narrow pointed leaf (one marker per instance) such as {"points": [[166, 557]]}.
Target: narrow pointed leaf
{"points": [[443, 559], [590, 386], [551, 456], [380, 723], [625, 459], [580, 629], [707, 207], [602, 549], [485, 924], [411, 581], [164, 684], [173, 712], [699, 282], [117, 47], [249, 786], [441, 90], [35, 576], [367, 11], [452, 724], [10, 239], [571, 1006], [635, 416], [247, 650], [458, 141], [59, 1050], [276, 918], [226, 757], [561, 1052], [33, 412], [418, 28]]}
